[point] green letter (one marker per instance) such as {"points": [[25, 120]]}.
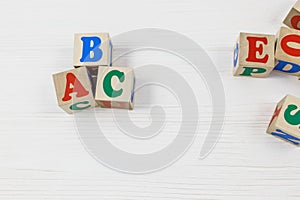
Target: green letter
{"points": [[292, 119], [75, 106], [249, 70], [109, 91]]}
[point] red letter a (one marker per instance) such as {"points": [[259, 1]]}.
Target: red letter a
{"points": [[77, 87]]}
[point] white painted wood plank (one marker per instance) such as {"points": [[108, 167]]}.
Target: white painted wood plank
{"points": [[41, 156]]}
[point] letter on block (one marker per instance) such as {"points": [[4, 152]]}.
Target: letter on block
{"points": [[74, 90], [92, 50], [285, 122], [254, 55], [292, 20], [115, 87], [287, 53]]}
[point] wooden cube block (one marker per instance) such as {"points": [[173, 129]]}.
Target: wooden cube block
{"points": [[254, 55], [74, 90], [292, 20], [285, 122], [115, 87], [287, 53], [93, 72], [92, 49]]}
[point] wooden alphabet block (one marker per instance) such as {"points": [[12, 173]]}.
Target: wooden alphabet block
{"points": [[92, 49], [115, 87], [287, 53], [292, 20], [74, 90], [254, 55], [285, 123]]}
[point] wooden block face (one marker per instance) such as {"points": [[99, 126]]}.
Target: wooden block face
{"points": [[93, 74], [74, 90], [287, 52], [92, 49], [112, 104], [115, 87], [254, 55], [292, 20], [285, 122]]}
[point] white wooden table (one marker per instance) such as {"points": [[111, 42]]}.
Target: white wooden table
{"points": [[41, 156]]}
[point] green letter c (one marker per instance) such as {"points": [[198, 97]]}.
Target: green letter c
{"points": [[76, 106], [109, 91]]}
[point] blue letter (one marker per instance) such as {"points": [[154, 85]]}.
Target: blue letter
{"points": [[285, 136], [282, 64], [236, 55], [91, 44]]}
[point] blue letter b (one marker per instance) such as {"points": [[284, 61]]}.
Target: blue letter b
{"points": [[91, 44]]}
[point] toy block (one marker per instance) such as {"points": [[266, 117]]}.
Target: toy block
{"points": [[254, 55], [92, 49], [93, 72], [74, 90], [287, 53], [115, 87], [285, 123], [292, 20]]}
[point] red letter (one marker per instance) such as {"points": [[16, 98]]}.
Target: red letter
{"points": [[253, 49], [77, 87], [295, 21], [290, 50]]}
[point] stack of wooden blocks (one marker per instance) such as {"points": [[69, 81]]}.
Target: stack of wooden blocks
{"points": [[257, 55], [111, 87]]}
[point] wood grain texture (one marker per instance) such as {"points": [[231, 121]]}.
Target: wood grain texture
{"points": [[280, 53], [282, 120], [292, 15], [104, 46], [75, 81], [41, 156], [122, 100], [242, 62]]}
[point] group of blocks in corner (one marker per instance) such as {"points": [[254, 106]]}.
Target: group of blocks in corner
{"points": [[257, 55], [94, 81]]}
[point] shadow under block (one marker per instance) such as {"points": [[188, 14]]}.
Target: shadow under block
{"points": [[285, 123], [115, 87], [292, 20], [74, 90], [254, 55], [92, 49], [287, 53]]}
